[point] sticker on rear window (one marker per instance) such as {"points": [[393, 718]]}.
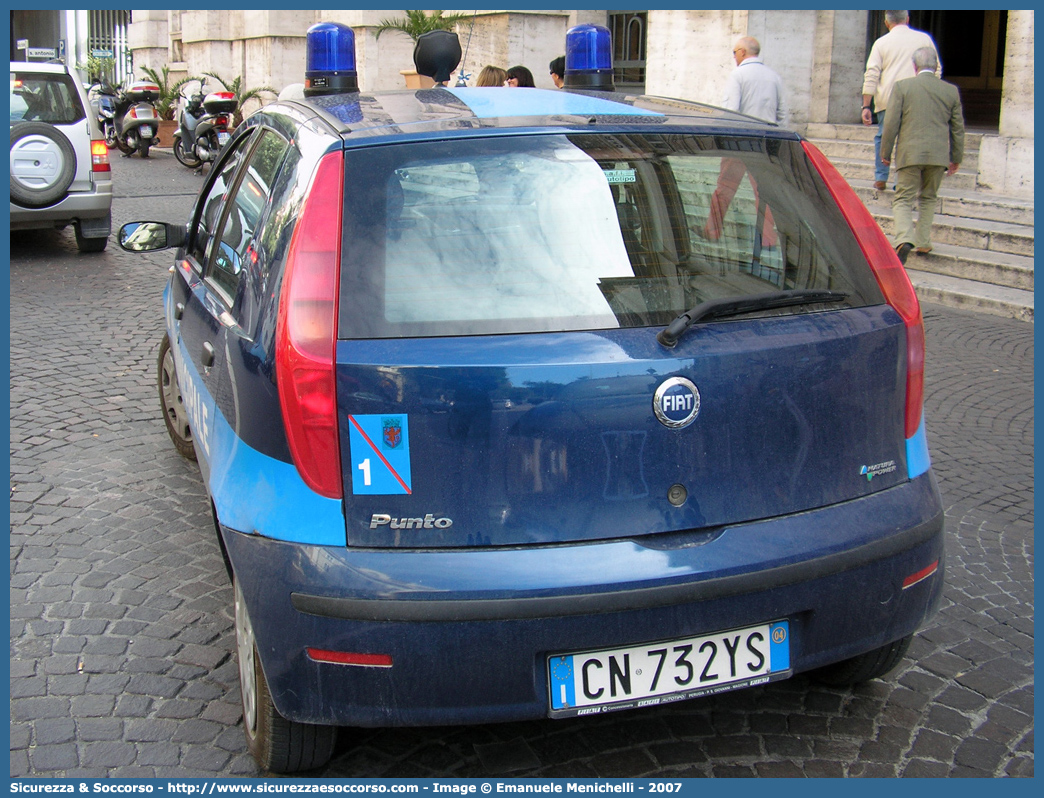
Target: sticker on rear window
{"points": [[380, 454], [620, 176]]}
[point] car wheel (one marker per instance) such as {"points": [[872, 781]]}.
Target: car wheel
{"points": [[85, 244], [174, 414], [871, 665], [43, 164], [185, 156], [277, 744]]}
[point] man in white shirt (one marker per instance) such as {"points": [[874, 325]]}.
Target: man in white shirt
{"points": [[890, 60], [756, 90]]}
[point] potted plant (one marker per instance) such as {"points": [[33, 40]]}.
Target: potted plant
{"points": [[415, 24], [242, 94], [167, 104]]}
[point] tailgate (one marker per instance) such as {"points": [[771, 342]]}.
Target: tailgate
{"points": [[552, 438]]}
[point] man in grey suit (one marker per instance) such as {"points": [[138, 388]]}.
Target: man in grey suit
{"points": [[925, 124]]}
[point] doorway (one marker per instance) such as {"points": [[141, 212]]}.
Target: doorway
{"points": [[971, 47]]}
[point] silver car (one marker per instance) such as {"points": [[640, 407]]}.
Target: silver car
{"points": [[60, 172]]}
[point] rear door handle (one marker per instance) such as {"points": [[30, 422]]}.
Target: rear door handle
{"points": [[179, 310], [208, 356]]}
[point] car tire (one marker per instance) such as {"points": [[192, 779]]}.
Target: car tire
{"points": [[175, 416], [85, 244], [277, 744], [185, 157], [871, 665], [43, 164]]}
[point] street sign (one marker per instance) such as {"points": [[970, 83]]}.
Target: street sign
{"points": [[40, 52], [61, 48], [101, 53], [22, 44]]}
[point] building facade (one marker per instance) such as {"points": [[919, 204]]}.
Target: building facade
{"points": [[820, 54]]}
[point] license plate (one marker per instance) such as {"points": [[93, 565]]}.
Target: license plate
{"points": [[659, 673], [146, 131], [222, 138]]}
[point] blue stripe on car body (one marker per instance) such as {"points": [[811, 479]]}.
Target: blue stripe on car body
{"points": [[252, 492], [918, 460]]}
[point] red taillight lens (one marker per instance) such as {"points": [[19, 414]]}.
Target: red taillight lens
{"points": [[99, 156], [891, 276], [350, 658], [306, 333], [221, 121], [920, 576]]}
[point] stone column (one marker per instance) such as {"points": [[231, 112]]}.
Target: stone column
{"points": [[1006, 160], [689, 53], [789, 46], [148, 39], [837, 67]]}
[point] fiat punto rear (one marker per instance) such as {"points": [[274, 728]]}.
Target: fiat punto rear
{"points": [[496, 426]]}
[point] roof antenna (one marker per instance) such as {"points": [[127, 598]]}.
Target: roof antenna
{"points": [[462, 79]]}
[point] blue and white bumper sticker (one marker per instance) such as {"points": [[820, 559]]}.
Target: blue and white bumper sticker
{"points": [[380, 454]]}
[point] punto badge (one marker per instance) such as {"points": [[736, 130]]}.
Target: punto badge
{"points": [[676, 402]]}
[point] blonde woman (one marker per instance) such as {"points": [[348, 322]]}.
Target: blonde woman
{"points": [[491, 76]]}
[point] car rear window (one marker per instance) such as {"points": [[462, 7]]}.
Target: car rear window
{"points": [[582, 232], [40, 97]]}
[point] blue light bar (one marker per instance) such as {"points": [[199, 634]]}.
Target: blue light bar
{"points": [[330, 59], [589, 58]]}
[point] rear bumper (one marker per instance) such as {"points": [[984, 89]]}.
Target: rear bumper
{"points": [[87, 205], [469, 631]]}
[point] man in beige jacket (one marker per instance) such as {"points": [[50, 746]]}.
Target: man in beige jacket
{"points": [[889, 61], [925, 124]]}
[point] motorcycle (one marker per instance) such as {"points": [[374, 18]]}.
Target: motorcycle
{"points": [[103, 103], [136, 122], [203, 127]]}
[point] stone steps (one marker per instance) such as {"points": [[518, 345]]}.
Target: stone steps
{"points": [[825, 132], [995, 268], [852, 169], [983, 253], [846, 149], [976, 234], [965, 204], [954, 292]]}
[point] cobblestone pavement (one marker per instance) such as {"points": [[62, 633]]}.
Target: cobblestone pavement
{"points": [[122, 639]]}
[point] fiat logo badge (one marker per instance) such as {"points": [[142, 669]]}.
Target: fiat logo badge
{"points": [[676, 402]]}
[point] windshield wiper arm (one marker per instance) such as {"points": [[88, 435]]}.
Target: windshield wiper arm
{"points": [[735, 306]]}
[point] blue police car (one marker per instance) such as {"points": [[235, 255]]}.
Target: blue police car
{"points": [[517, 404]]}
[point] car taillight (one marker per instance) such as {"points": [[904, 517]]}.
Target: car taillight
{"points": [[99, 156], [306, 333], [890, 275]]}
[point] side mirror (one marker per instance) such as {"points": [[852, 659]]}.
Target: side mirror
{"points": [[151, 236]]}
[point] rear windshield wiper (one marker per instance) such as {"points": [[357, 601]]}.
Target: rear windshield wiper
{"points": [[735, 306]]}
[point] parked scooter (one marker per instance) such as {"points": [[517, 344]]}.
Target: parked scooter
{"points": [[203, 127], [103, 102], [136, 122]]}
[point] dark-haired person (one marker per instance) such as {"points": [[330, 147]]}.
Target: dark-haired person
{"points": [[557, 70], [520, 77]]}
